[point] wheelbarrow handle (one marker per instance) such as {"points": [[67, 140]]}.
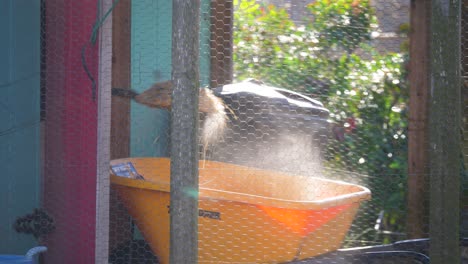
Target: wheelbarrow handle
{"points": [[408, 254], [35, 250]]}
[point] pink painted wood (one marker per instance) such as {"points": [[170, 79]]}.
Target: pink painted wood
{"points": [[69, 186]]}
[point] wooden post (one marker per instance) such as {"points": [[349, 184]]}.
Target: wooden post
{"points": [[184, 126], [464, 51], [120, 231], [464, 194], [445, 132], [103, 139], [121, 43], [418, 169], [222, 17]]}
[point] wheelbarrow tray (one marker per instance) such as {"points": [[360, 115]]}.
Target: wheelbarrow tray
{"points": [[246, 215]]}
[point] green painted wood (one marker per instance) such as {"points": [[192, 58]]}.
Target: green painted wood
{"points": [[151, 62], [20, 120]]}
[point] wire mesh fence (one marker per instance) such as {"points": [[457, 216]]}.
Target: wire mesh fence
{"points": [[303, 134], [340, 55]]}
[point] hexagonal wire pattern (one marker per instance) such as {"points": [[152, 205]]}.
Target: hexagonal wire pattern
{"points": [[303, 131]]}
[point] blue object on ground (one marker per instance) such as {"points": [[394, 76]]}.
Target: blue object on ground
{"points": [[20, 259]]}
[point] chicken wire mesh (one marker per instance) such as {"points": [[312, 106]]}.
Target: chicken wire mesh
{"points": [[302, 134], [341, 54]]}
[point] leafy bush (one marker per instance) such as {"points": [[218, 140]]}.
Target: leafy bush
{"points": [[330, 57]]}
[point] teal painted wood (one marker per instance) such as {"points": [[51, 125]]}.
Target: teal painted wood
{"points": [[151, 36], [19, 119], [151, 62]]}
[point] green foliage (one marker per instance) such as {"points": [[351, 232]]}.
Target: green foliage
{"points": [[329, 57], [343, 23]]}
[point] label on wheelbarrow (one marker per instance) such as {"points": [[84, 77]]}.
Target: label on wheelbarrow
{"points": [[209, 214], [126, 170], [203, 213]]}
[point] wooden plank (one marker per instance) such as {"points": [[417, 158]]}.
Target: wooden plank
{"points": [[120, 227], [19, 114], [205, 43], [445, 133], [120, 122], [464, 50], [150, 62], [103, 140], [464, 198], [418, 170], [222, 17], [71, 131]]}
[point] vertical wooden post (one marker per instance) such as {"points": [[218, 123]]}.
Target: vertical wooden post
{"points": [[464, 194], [120, 231], [120, 122], [184, 126], [103, 140], [222, 17], [464, 63], [417, 225], [445, 132]]}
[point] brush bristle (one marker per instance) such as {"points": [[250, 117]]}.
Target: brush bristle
{"points": [[159, 95], [215, 122]]}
